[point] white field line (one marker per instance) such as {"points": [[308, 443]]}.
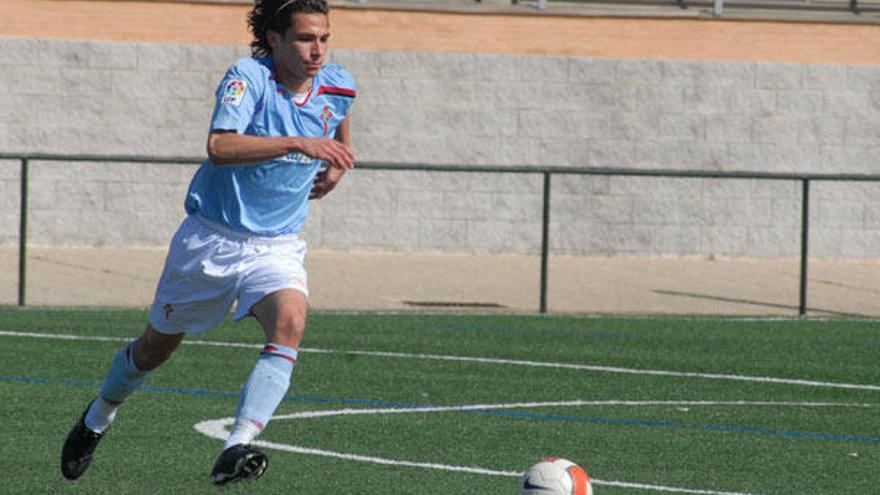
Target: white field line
{"points": [[217, 429], [512, 362]]}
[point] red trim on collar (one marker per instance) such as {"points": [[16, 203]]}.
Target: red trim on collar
{"points": [[332, 90]]}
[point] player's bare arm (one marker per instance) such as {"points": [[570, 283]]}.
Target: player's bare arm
{"points": [[328, 178], [228, 148]]}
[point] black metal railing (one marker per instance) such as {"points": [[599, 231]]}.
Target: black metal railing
{"points": [[717, 7], [545, 171]]}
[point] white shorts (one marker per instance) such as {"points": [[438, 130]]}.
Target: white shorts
{"points": [[208, 268]]}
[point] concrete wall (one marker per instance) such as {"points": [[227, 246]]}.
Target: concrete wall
{"points": [[155, 99]]}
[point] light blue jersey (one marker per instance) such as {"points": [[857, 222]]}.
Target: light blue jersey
{"points": [[269, 198]]}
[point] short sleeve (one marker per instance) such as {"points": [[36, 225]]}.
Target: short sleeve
{"points": [[236, 99]]}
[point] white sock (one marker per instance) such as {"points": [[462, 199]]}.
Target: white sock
{"points": [[101, 414], [266, 386]]}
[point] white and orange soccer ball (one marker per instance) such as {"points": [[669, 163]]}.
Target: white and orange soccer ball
{"points": [[554, 476]]}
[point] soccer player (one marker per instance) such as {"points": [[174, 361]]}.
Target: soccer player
{"points": [[279, 115]]}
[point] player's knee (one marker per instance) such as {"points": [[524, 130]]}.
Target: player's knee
{"points": [[153, 349], [289, 329]]}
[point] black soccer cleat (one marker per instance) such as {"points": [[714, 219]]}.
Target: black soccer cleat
{"points": [[76, 455], [239, 463]]}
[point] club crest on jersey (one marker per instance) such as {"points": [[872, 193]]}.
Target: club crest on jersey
{"points": [[326, 117], [233, 92]]}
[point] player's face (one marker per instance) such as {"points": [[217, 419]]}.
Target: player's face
{"points": [[300, 52]]}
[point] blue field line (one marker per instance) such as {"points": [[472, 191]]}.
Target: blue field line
{"points": [[504, 413]]}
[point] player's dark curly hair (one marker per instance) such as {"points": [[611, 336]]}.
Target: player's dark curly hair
{"points": [[276, 15]]}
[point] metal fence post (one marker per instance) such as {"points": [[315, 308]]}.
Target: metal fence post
{"points": [[22, 232], [805, 241], [545, 242]]}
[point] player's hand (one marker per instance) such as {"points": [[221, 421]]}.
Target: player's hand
{"points": [[325, 181], [336, 154]]}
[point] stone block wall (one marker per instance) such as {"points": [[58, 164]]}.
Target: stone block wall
{"points": [[469, 109]]}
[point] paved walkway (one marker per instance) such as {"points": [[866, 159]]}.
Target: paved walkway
{"points": [[488, 282]]}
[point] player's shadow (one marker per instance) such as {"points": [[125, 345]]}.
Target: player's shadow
{"points": [[749, 302]]}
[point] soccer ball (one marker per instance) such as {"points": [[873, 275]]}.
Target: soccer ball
{"points": [[554, 476]]}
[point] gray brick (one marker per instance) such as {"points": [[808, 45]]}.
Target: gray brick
{"points": [[492, 235], [112, 55], [872, 216], [629, 239], [423, 65], [758, 102], [660, 99], [141, 196], [450, 234], [362, 64], [87, 82], [863, 131], [708, 74], [826, 242], [31, 80], [10, 170], [863, 77], [866, 192], [675, 239], [707, 100], [800, 102], [772, 157], [667, 211], [822, 130], [772, 241], [582, 238], [847, 104], [519, 207], [775, 130], [654, 187], [519, 151], [81, 196], [594, 71], [432, 92], [778, 76], [640, 72], [51, 53], [853, 159], [350, 232], [726, 128], [605, 153], [467, 206], [785, 212], [841, 213], [579, 125], [824, 77], [604, 100], [421, 204], [723, 240], [737, 211], [161, 56], [183, 141], [18, 111], [539, 68], [726, 188], [10, 195], [602, 209], [507, 183], [212, 60]]}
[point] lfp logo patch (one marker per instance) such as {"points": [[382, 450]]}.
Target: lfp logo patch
{"points": [[233, 92]]}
